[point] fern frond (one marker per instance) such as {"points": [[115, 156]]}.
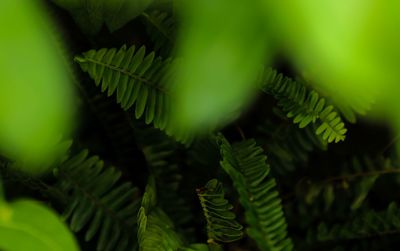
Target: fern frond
{"points": [[360, 174], [246, 165], [368, 225], [105, 208], [221, 223], [140, 81], [161, 28], [304, 106], [156, 230]]}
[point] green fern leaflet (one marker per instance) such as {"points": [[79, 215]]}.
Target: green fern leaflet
{"points": [[245, 164]]}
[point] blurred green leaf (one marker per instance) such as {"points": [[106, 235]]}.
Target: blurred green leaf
{"points": [[350, 48], [222, 45], [91, 15], [28, 225], [35, 93]]}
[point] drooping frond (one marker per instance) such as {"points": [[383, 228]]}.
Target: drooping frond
{"points": [[246, 165], [156, 231], [221, 223], [100, 204], [161, 28], [139, 81], [303, 105]]}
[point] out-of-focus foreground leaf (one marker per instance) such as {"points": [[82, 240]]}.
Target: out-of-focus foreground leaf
{"points": [[351, 48], [222, 45], [28, 225], [91, 15], [35, 93]]}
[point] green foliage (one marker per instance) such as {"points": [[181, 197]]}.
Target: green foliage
{"points": [[366, 225], [99, 203], [137, 79], [156, 230], [221, 223], [232, 39], [246, 165], [29, 225], [35, 92], [198, 80], [195, 247], [305, 106], [357, 178]]}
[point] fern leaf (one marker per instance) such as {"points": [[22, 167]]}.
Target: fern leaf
{"points": [[138, 80], [304, 106], [105, 208], [221, 223], [245, 164], [156, 230], [360, 174], [367, 225]]}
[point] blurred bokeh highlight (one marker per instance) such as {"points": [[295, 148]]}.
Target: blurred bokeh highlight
{"points": [[35, 91]]}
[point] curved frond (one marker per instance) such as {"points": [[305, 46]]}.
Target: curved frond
{"points": [[101, 205], [246, 165], [221, 223], [304, 106]]}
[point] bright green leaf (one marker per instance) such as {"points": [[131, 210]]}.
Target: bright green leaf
{"points": [[28, 225], [349, 47], [35, 92], [222, 45]]}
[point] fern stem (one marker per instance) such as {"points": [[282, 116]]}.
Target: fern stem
{"points": [[99, 204]]}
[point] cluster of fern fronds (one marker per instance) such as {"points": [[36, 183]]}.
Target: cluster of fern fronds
{"points": [[292, 173]]}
